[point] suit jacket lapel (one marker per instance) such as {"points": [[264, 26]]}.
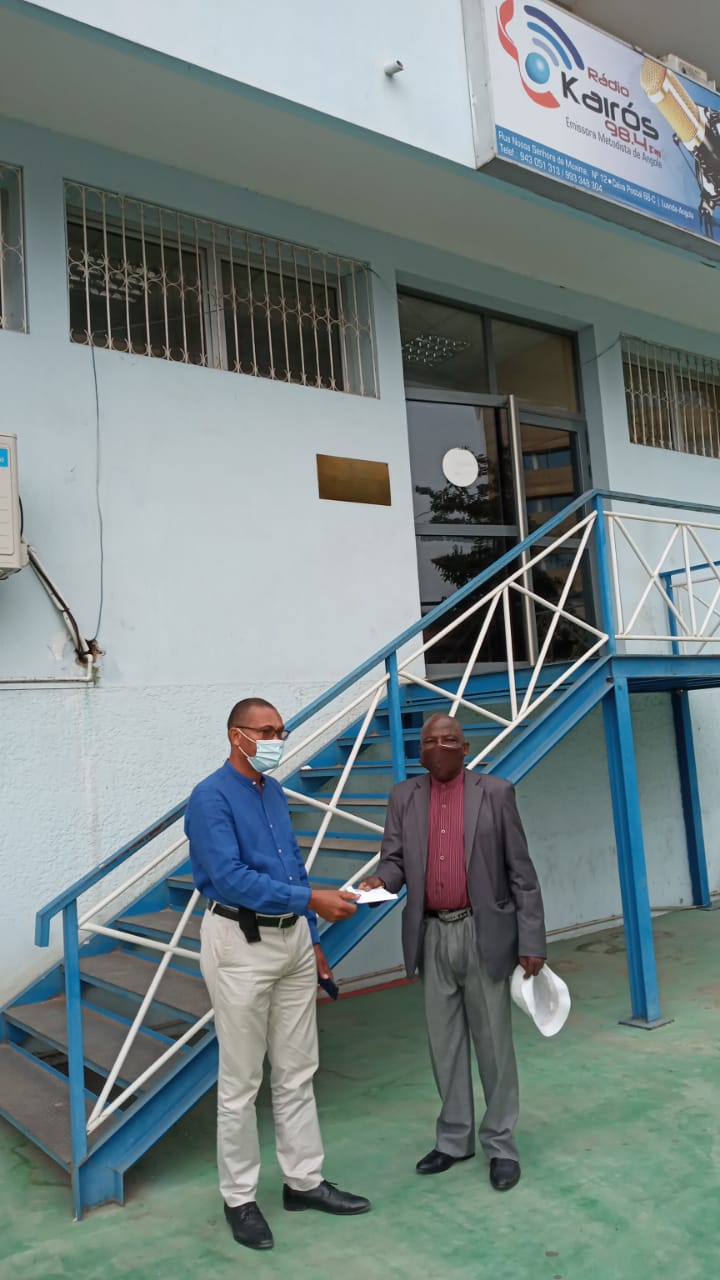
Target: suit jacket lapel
{"points": [[421, 814], [473, 798]]}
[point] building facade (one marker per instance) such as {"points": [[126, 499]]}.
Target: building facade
{"points": [[255, 289]]}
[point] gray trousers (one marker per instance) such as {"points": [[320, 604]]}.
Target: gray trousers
{"points": [[462, 1001]]}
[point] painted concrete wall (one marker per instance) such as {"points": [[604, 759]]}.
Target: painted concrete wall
{"points": [[224, 572], [329, 57]]}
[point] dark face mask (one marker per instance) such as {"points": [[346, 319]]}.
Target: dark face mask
{"points": [[443, 762]]}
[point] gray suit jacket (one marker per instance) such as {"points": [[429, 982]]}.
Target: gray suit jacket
{"points": [[502, 882]]}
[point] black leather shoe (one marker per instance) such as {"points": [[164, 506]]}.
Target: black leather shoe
{"points": [[504, 1174], [327, 1198], [248, 1226], [438, 1161]]}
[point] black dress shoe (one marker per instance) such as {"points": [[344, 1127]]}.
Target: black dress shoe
{"points": [[504, 1174], [438, 1161], [326, 1197], [248, 1226]]}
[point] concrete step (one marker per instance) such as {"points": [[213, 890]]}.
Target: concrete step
{"points": [[37, 1101], [344, 844], [123, 972], [161, 925], [353, 802], [475, 729], [103, 1037]]}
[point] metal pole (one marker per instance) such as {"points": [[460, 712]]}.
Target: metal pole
{"points": [[637, 917], [666, 579], [522, 523], [690, 791], [396, 725], [604, 572], [76, 1057]]}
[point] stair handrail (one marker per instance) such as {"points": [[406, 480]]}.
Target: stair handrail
{"points": [[86, 882], [387, 653]]}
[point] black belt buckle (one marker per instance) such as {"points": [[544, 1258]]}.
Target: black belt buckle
{"points": [[277, 922]]}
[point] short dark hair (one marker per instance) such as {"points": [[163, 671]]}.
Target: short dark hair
{"points": [[440, 715], [244, 705]]}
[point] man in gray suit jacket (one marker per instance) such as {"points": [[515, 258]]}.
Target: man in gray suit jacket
{"points": [[474, 910]]}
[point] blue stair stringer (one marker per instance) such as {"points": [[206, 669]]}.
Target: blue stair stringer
{"points": [[61, 1036]]}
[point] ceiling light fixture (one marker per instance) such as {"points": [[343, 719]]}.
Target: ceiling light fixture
{"points": [[431, 349]]}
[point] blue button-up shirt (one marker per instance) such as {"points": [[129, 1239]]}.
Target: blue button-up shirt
{"points": [[243, 849]]}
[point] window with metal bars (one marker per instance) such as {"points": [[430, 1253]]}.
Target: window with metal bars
{"points": [[13, 301], [672, 397], [155, 282]]}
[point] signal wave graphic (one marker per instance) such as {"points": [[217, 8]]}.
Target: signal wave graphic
{"points": [[547, 46]]}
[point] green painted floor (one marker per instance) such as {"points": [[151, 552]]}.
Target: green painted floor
{"points": [[619, 1142]]}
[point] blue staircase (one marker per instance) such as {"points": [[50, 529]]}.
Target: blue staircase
{"points": [[95, 1102]]}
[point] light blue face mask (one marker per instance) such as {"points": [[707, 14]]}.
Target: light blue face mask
{"points": [[267, 755]]}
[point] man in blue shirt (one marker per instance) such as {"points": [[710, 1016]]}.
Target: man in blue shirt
{"points": [[260, 957]]}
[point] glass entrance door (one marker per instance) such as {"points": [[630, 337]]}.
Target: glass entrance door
{"points": [[553, 473], [483, 477], [465, 505]]}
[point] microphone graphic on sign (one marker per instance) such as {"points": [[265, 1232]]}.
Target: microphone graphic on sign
{"points": [[696, 128]]}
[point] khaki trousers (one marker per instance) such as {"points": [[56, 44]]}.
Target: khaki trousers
{"points": [[264, 995]]}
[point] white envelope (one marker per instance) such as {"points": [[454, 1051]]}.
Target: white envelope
{"points": [[366, 896]]}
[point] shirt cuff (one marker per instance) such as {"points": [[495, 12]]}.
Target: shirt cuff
{"points": [[298, 899]]}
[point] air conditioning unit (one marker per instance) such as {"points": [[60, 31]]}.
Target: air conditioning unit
{"points": [[13, 551], [683, 68]]}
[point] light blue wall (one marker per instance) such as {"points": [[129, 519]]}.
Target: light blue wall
{"points": [[224, 573]]}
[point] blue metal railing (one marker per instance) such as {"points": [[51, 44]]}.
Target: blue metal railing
{"points": [[591, 498], [384, 656]]}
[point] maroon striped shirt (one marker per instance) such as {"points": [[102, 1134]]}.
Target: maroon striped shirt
{"points": [[446, 887]]}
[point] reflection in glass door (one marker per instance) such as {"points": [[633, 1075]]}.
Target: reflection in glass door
{"points": [[465, 510], [552, 474], [474, 499]]}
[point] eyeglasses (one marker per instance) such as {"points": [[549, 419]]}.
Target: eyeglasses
{"points": [[267, 732]]}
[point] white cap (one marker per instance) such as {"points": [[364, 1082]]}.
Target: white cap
{"points": [[544, 998]]}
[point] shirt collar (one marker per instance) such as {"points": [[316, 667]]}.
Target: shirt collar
{"points": [[231, 772], [454, 785]]}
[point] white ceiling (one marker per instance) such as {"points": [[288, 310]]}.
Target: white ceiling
{"points": [[690, 28], [63, 80]]}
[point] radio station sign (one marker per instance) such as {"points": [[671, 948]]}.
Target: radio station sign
{"points": [[575, 105]]}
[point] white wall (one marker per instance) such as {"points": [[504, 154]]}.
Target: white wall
{"points": [[225, 574], [329, 57]]}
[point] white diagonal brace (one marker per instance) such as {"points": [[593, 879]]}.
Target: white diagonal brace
{"points": [[653, 580], [557, 609], [344, 775], [473, 656], [144, 1006]]}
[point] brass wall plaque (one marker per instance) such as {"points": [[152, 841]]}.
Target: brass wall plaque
{"points": [[353, 480]]}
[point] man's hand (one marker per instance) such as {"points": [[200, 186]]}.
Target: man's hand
{"points": [[333, 904], [374, 882], [531, 964], [323, 968]]}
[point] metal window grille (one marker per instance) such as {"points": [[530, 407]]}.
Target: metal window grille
{"points": [[673, 398], [156, 282], [13, 300]]}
